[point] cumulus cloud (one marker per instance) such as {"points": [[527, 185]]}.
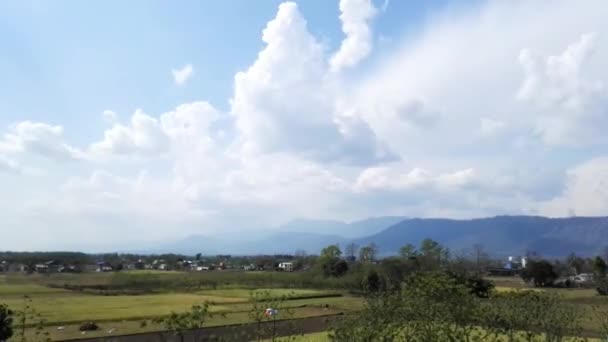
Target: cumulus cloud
{"points": [[182, 75], [586, 191], [143, 136], [356, 16], [148, 136], [285, 101], [41, 139], [394, 179], [572, 106], [401, 136]]}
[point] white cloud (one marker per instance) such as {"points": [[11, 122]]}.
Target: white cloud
{"points": [[151, 137], [143, 136], [286, 100], [41, 139], [8, 165], [573, 107], [586, 192], [395, 179], [110, 116], [356, 16], [400, 136], [181, 76]]}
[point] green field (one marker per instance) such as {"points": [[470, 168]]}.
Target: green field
{"points": [[122, 314], [64, 310]]}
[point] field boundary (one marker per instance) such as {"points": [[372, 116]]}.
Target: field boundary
{"points": [[244, 331]]}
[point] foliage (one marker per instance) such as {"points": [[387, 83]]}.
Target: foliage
{"points": [[331, 251], [6, 323], [540, 273], [26, 317], [431, 307], [599, 267], [436, 306], [329, 262], [477, 285], [351, 251], [368, 253], [180, 323], [373, 283], [333, 266], [408, 251], [532, 316]]}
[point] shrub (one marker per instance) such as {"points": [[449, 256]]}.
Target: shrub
{"points": [[540, 273], [89, 326], [6, 323]]}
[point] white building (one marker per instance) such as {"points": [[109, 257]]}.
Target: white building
{"points": [[286, 266]]}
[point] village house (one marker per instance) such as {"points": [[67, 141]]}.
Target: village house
{"points": [[286, 266], [104, 266]]}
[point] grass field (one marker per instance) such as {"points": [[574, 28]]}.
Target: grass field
{"points": [[122, 314]]}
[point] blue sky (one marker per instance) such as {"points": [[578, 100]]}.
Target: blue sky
{"points": [[318, 109], [78, 59]]}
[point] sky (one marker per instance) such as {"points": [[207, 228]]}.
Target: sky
{"points": [[126, 124]]}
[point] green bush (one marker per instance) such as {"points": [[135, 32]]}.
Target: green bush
{"points": [[6, 323]]}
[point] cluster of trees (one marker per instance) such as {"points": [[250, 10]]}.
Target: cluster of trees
{"points": [[543, 273], [438, 306]]}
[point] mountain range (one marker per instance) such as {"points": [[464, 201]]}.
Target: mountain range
{"points": [[500, 236]]}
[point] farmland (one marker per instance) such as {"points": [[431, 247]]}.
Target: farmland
{"points": [[63, 310], [120, 302]]}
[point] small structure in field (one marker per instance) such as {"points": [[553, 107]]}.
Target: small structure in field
{"points": [[104, 266], [286, 266]]}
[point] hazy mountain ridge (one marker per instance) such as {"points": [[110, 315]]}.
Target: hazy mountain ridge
{"points": [[500, 235], [353, 229]]}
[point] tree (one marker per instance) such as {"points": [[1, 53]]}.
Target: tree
{"points": [[351, 251], [335, 267], [394, 271], [540, 273], [331, 251], [480, 256], [330, 262], [6, 323], [408, 251], [432, 254], [372, 282], [575, 263], [368, 253], [599, 267], [599, 270], [430, 247], [198, 256]]}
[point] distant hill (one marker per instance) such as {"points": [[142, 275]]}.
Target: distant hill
{"points": [[302, 234], [250, 243], [354, 229], [501, 235]]}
